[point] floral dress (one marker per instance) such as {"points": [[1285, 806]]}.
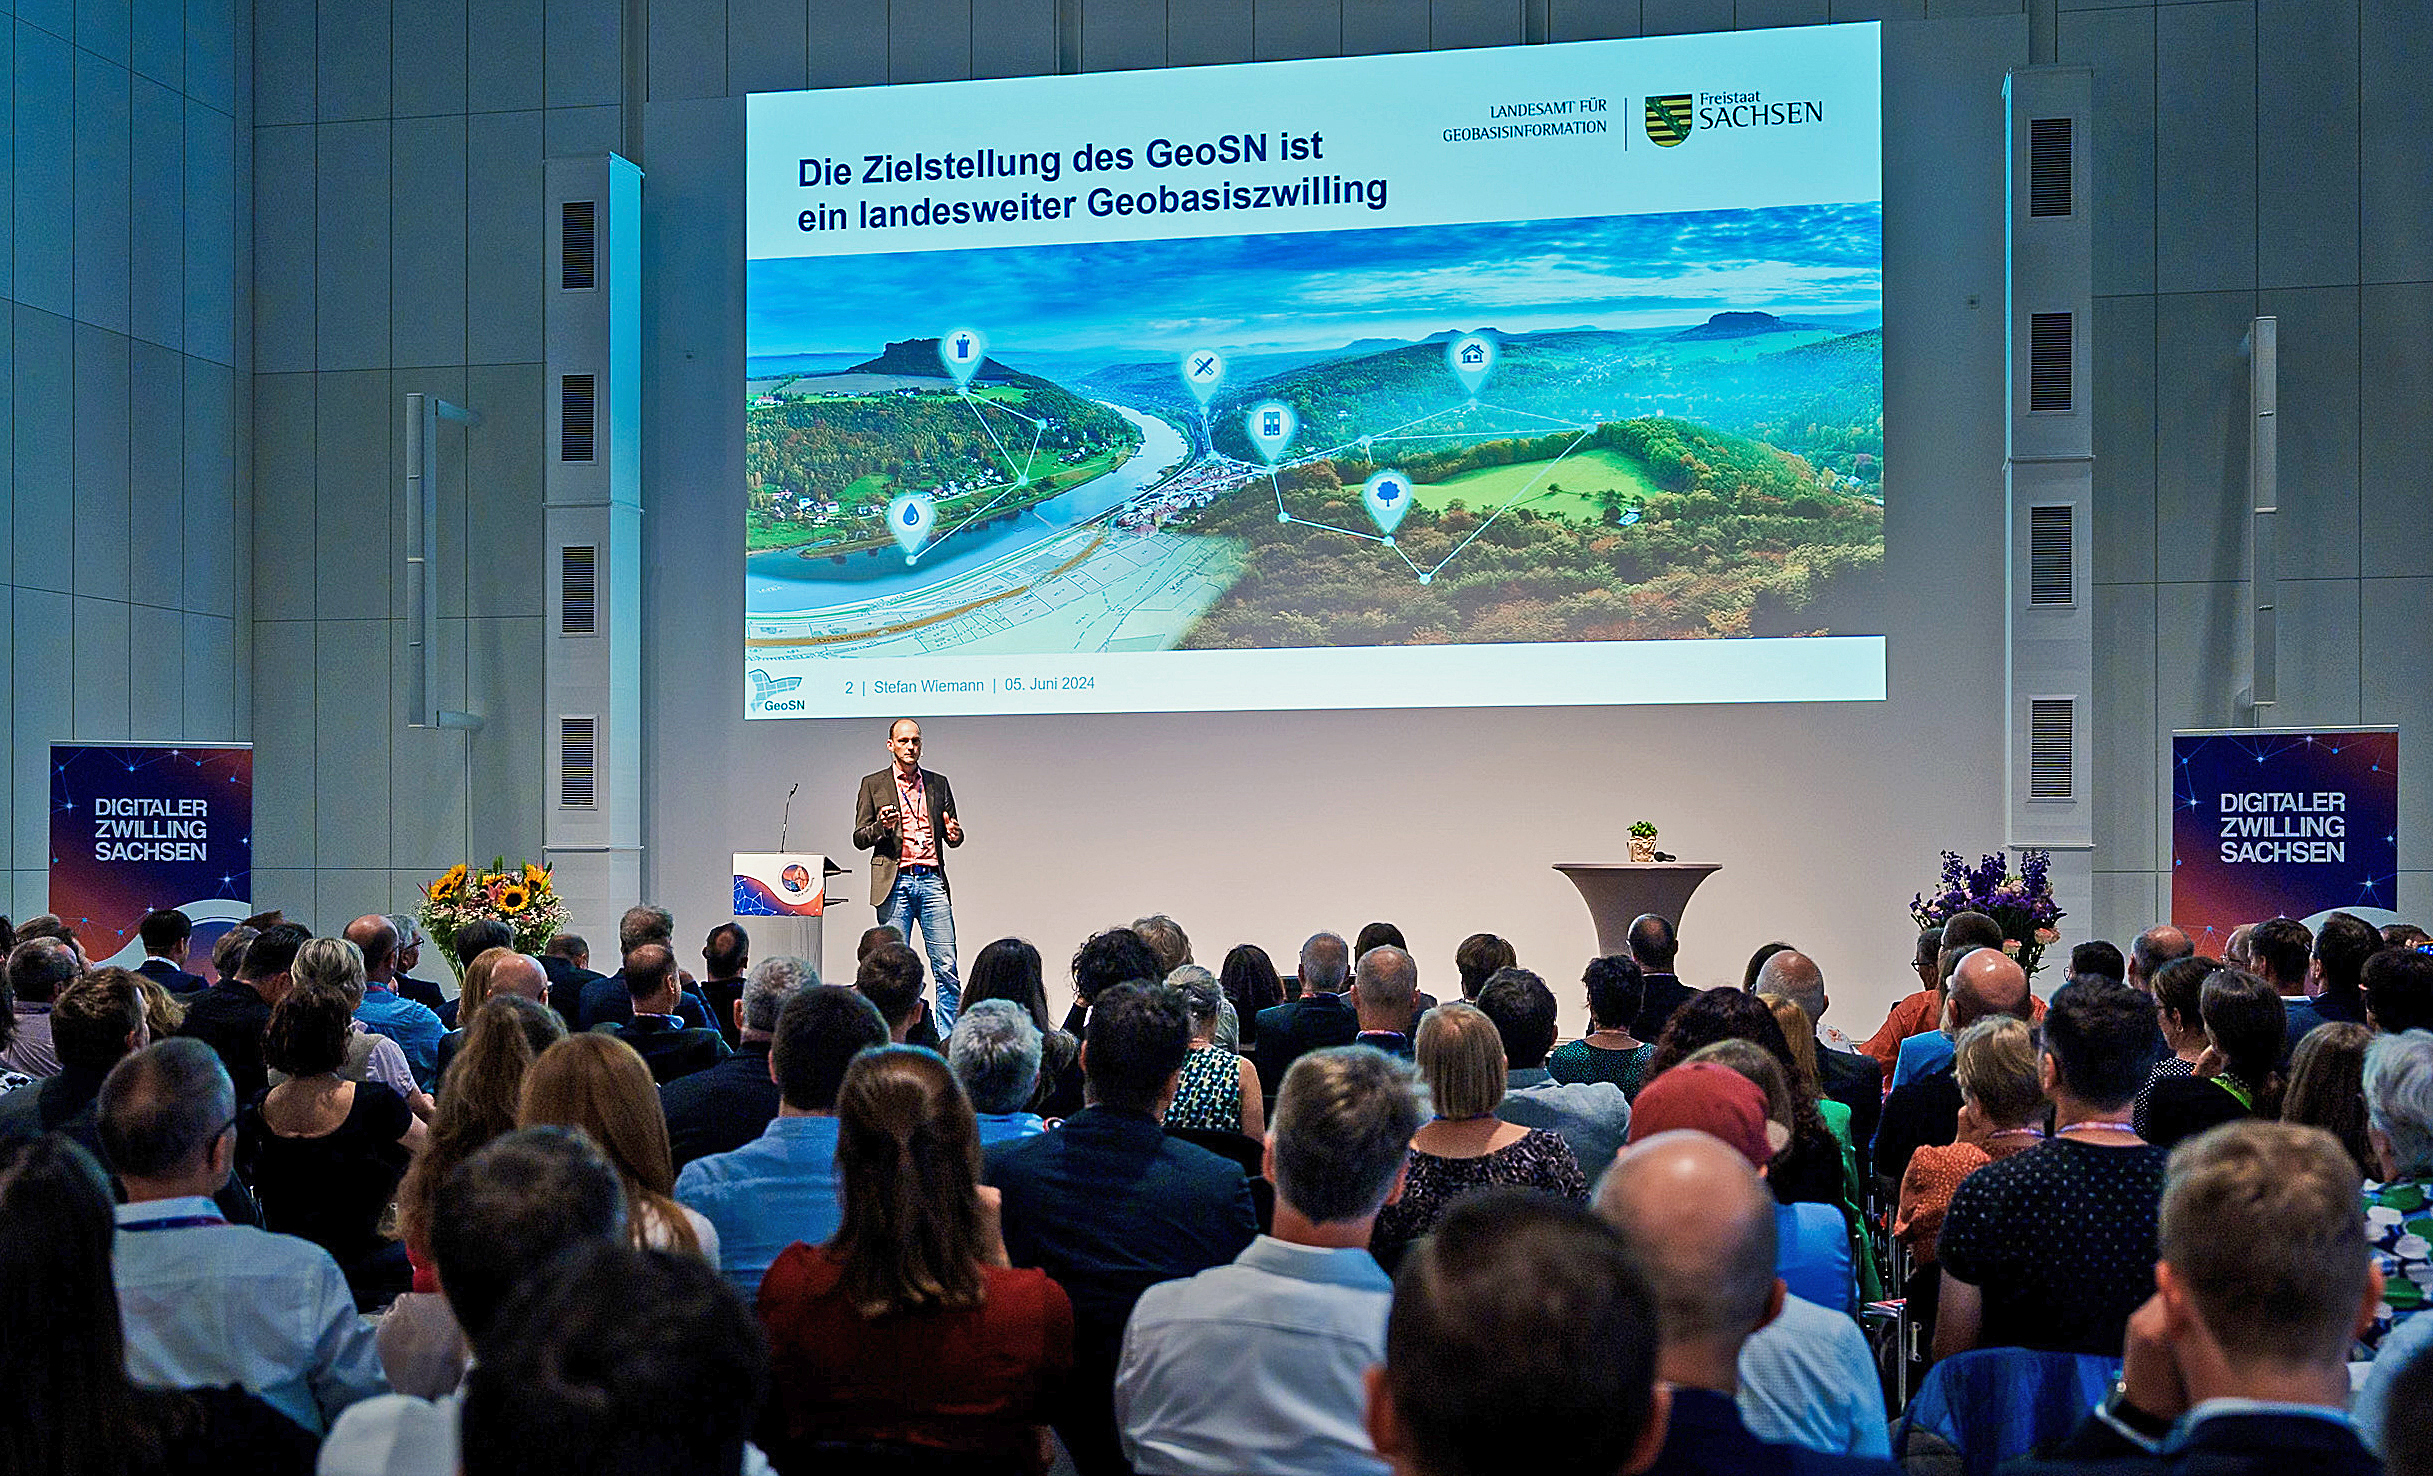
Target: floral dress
{"points": [[1210, 1093], [2399, 1226]]}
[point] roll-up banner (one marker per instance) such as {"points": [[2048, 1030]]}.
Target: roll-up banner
{"points": [[2282, 823], [140, 829]]}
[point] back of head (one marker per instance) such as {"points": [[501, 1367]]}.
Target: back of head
{"points": [[2281, 947], [1250, 980], [1326, 964], [273, 951], [2398, 1085], [1965, 930], [649, 969], [1757, 964], [1713, 1015], [309, 1031], [772, 982], [1929, 948], [2101, 1038], [727, 949], [2246, 1020], [2157, 946], [1522, 1338], [1702, 1223], [1711, 1097], [873, 937], [995, 1051], [478, 937], [1478, 957], [375, 939], [2179, 987], [572, 1380], [163, 1108], [94, 1016], [2327, 1088], [334, 962], [1617, 990], [1799, 1033], [510, 1209], [1116, 956], [1750, 1061], [1203, 998], [569, 947], [820, 1030], [1523, 1010], [228, 954], [1138, 1037], [478, 1098], [1461, 1058], [2263, 1223], [64, 1358], [2342, 946], [908, 1155], [1988, 982], [2398, 986], [597, 1083], [38, 967], [1653, 943], [642, 924], [1343, 1125], [165, 934], [1388, 979], [1995, 1064], [2095, 956], [1166, 939], [1379, 935], [1009, 969], [892, 978], [1796, 977]]}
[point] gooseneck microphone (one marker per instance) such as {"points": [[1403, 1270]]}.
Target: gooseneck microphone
{"points": [[787, 817]]}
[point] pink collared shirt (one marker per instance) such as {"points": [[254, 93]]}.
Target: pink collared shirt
{"points": [[920, 844]]}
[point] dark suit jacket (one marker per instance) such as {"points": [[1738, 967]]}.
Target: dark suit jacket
{"points": [[606, 1001], [231, 1018], [1707, 1435], [425, 993], [1665, 994], [2181, 1107], [1293, 1029], [883, 842], [1856, 1082], [2263, 1444], [1925, 1111], [172, 978], [718, 996], [720, 1109], [670, 1050], [565, 980]]}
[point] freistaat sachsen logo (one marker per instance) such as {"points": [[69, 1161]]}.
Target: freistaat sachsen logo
{"points": [[1669, 118]]}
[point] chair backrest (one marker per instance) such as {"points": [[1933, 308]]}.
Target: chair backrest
{"points": [[1990, 1405]]}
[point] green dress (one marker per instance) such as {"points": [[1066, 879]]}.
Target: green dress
{"points": [[1581, 1062]]}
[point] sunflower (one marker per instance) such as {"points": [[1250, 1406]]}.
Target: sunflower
{"points": [[451, 882], [535, 878], [513, 897]]}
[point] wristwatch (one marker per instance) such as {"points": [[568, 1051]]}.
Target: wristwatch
{"points": [[2122, 1415]]}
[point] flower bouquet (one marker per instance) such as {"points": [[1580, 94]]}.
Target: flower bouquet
{"points": [[521, 896], [2020, 901]]}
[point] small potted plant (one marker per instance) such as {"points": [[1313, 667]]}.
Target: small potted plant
{"points": [[1642, 841]]}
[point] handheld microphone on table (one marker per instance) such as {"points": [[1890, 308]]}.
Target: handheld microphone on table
{"points": [[787, 816]]}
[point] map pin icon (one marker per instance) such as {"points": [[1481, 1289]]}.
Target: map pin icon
{"points": [[1271, 425], [1388, 496], [1471, 357], [962, 351], [1203, 370], [910, 517]]}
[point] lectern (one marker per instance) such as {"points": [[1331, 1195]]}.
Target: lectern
{"points": [[781, 898], [1618, 891]]}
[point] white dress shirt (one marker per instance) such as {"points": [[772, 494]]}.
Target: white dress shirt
{"points": [[399, 1435], [210, 1303], [1806, 1378]]}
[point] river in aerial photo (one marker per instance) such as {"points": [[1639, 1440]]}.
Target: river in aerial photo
{"points": [[784, 582]]}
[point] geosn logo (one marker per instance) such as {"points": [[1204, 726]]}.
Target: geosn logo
{"points": [[765, 686], [1669, 118]]}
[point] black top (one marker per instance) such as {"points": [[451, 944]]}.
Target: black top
{"points": [[1665, 994], [1856, 1082], [1293, 1029], [1920, 1112], [59, 1104], [606, 1001], [2060, 1239], [2180, 1107], [225, 1432], [670, 1050], [2264, 1444], [172, 978], [722, 1108], [331, 1190], [718, 996], [231, 1018]]}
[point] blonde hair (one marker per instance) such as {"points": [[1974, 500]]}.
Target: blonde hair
{"points": [[1995, 1061], [600, 1084], [331, 961], [1462, 1059], [476, 987], [1799, 1033]]}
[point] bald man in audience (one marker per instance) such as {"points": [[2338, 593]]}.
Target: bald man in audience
{"points": [[1385, 995], [520, 974], [1926, 1109], [1702, 1224], [1843, 1073], [2153, 948]]}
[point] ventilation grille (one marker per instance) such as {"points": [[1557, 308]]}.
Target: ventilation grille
{"points": [[2048, 362], [579, 589], [576, 404], [2049, 722], [578, 766], [2049, 540], [2049, 166], [578, 259]]}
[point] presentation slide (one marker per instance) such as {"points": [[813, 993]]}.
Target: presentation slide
{"points": [[1546, 375]]}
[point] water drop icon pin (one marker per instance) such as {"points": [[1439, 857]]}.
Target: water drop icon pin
{"points": [[911, 517], [1387, 496], [1271, 426], [1471, 357], [962, 351]]}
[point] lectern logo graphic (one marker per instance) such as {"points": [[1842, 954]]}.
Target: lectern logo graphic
{"points": [[1669, 118]]}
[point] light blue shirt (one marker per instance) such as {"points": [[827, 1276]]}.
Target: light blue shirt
{"points": [[1592, 1116], [211, 1305], [1255, 1368], [409, 1023], [1806, 1378], [773, 1191], [1921, 1054], [996, 1127], [2412, 1338]]}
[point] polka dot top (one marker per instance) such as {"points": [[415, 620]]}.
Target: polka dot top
{"points": [[2060, 1240]]}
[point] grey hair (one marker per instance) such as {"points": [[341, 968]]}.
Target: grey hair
{"points": [[1326, 964], [409, 932], [162, 1108], [336, 962], [994, 1051], [1344, 1120], [1202, 995], [772, 982], [2399, 1097]]}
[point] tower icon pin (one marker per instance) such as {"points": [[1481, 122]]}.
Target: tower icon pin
{"points": [[962, 351]]}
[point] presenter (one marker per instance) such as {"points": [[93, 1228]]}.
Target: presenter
{"points": [[905, 817]]}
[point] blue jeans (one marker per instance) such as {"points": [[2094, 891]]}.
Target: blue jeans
{"points": [[920, 896]]}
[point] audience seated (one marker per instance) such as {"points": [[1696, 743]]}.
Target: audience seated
{"points": [[566, 958], [233, 1016], [1655, 945], [1985, 982], [167, 934], [500, 1218], [1104, 960], [609, 1000], [1812, 1167], [2179, 1011], [1696, 1216], [1250, 984], [2399, 1203], [571, 1380], [1009, 969], [1616, 987], [2281, 951], [1319, 1017], [2053, 1248], [894, 980], [206, 1303], [1523, 1338], [409, 955], [726, 1106], [1386, 999], [495, 971], [1109, 1204], [1258, 1367], [781, 1187], [325, 1154], [1466, 1147], [598, 1085], [1919, 1010], [96, 1020], [662, 1037], [2001, 1114], [1799, 1038], [415, 1027], [1842, 1074], [72, 1407], [994, 1051], [725, 954], [2398, 987], [2236, 1363], [370, 1056], [1477, 959], [37, 969], [2238, 1076], [908, 1329], [2151, 950], [1593, 1117], [2342, 945], [1219, 1090], [2327, 1089]]}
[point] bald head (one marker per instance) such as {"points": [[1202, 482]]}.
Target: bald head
{"points": [[522, 974], [1795, 976], [377, 937], [1702, 1223], [2155, 947], [1987, 982]]}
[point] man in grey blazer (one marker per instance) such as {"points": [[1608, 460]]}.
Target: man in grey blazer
{"points": [[905, 817]]}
